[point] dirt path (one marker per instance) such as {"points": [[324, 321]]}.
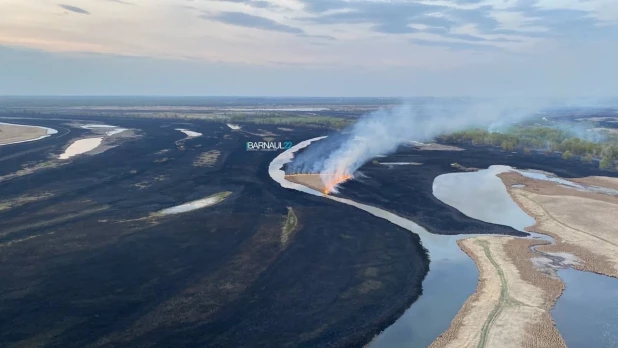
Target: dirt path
{"points": [[505, 298], [510, 307]]}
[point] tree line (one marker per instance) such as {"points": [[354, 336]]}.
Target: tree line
{"points": [[540, 138]]}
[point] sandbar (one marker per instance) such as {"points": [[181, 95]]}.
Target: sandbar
{"points": [[189, 133], [80, 146], [511, 305], [582, 222], [313, 181], [16, 133], [197, 204]]}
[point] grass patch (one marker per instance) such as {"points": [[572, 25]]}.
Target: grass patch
{"points": [[207, 159], [289, 225]]}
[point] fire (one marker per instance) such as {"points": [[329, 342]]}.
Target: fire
{"points": [[333, 181], [327, 181]]}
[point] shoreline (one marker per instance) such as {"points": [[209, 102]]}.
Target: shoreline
{"points": [[21, 133], [511, 294], [592, 261]]}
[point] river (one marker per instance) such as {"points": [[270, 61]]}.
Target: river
{"points": [[480, 195], [450, 268]]}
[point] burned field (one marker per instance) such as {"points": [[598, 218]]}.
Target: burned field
{"points": [[407, 190], [84, 263]]}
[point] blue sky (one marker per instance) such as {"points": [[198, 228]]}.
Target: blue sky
{"points": [[309, 47]]}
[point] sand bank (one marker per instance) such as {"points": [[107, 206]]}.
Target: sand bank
{"points": [[16, 133], [313, 181], [583, 223], [189, 133], [197, 204], [602, 181], [511, 305], [81, 146]]}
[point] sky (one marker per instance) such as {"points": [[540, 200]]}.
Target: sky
{"points": [[383, 48]]}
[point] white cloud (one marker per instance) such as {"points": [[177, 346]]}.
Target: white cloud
{"points": [[174, 29]]}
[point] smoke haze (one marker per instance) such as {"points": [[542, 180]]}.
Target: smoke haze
{"points": [[383, 131]]}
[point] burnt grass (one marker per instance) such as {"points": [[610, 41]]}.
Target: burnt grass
{"points": [[85, 266], [407, 189]]}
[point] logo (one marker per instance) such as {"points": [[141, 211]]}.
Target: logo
{"points": [[268, 145]]}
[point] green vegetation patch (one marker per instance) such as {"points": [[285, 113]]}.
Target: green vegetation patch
{"points": [[543, 138], [291, 120], [289, 225]]}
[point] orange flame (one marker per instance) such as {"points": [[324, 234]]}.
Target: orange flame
{"points": [[334, 180]]}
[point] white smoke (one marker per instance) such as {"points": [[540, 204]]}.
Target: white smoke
{"points": [[383, 131]]}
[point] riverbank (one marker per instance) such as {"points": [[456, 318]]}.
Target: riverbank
{"points": [[16, 133], [511, 305], [581, 222]]}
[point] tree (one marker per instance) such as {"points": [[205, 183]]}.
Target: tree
{"points": [[507, 146], [587, 158], [567, 155], [606, 162]]}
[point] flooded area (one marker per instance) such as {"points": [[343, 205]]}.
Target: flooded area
{"points": [[81, 146], [450, 268]]}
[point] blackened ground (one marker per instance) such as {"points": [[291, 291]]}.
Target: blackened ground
{"points": [[83, 267], [407, 189]]}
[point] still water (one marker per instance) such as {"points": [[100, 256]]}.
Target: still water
{"points": [[587, 312]]}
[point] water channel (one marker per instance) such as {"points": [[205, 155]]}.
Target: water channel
{"points": [[453, 276]]}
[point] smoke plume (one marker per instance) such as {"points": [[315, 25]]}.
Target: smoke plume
{"points": [[383, 131]]}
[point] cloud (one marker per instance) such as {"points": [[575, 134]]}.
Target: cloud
{"points": [[401, 17], [74, 9], [325, 34], [395, 28], [407, 17], [250, 21], [456, 46], [253, 3], [569, 23], [121, 2], [321, 37]]}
